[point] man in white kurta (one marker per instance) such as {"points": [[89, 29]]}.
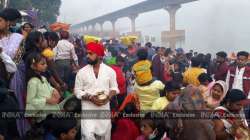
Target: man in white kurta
{"points": [[88, 83]]}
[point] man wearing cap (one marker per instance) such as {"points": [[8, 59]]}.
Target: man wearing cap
{"points": [[94, 81], [222, 66], [228, 125]]}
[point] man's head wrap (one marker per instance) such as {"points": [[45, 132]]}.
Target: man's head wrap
{"points": [[96, 48]]}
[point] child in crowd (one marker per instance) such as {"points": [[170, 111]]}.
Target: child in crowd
{"points": [[66, 130], [63, 128], [65, 58], [147, 89], [71, 107], [142, 69], [176, 72], [171, 90], [41, 96], [152, 129], [206, 83]]}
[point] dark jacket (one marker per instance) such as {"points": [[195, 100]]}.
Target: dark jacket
{"points": [[221, 72], [158, 68], [8, 103]]}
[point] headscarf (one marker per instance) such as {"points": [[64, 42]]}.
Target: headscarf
{"points": [[205, 90], [96, 48], [210, 100]]}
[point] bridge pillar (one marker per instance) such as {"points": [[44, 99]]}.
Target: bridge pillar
{"points": [[101, 29], [82, 29], [113, 21], [87, 29], [90, 29], [132, 18], [172, 9], [93, 28]]}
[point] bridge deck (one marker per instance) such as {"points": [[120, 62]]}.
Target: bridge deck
{"points": [[136, 9]]}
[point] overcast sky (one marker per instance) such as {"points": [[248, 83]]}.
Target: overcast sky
{"points": [[88, 9], [210, 25]]}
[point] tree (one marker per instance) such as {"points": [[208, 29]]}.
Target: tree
{"points": [[48, 10], [19, 4]]}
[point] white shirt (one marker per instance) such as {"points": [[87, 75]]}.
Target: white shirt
{"points": [[8, 62], [87, 83], [238, 79], [11, 44], [65, 50]]}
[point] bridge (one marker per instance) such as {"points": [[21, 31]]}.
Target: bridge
{"points": [[132, 12]]}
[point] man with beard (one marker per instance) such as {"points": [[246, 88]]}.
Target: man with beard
{"points": [[222, 66], [238, 76], [95, 85]]}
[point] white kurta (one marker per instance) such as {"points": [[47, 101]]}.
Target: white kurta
{"points": [[87, 83]]}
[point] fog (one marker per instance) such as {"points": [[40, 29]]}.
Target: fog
{"points": [[210, 25]]}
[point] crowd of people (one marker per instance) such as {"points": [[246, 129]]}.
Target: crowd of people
{"points": [[48, 73]]}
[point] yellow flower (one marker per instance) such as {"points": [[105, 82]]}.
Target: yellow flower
{"points": [[48, 53]]}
